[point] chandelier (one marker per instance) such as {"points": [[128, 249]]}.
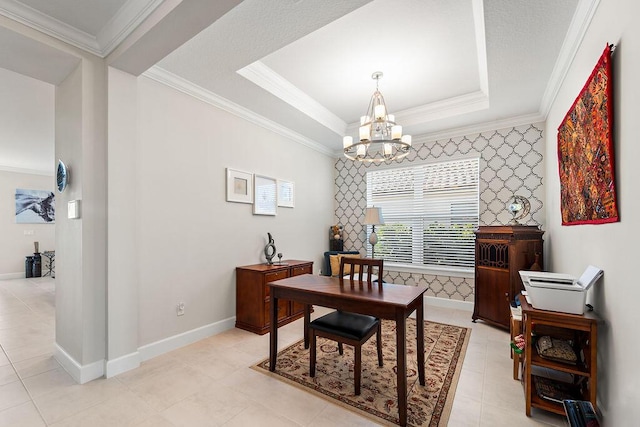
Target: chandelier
{"points": [[380, 138]]}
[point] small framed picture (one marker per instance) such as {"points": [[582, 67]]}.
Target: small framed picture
{"points": [[239, 186], [265, 195], [286, 193]]}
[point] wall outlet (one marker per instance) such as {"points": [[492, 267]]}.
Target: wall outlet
{"points": [[180, 309]]}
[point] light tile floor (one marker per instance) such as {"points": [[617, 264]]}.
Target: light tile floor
{"points": [[209, 383]]}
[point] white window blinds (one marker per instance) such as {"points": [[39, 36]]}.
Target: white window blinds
{"points": [[430, 213]]}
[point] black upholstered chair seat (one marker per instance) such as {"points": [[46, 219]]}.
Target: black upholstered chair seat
{"points": [[346, 324]]}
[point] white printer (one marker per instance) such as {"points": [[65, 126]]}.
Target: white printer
{"points": [[559, 292]]}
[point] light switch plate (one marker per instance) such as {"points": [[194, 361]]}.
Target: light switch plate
{"points": [[73, 209]]}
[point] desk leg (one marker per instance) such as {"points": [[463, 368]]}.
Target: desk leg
{"points": [[307, 320], [401, 354], [273, 336], [420, 343]]}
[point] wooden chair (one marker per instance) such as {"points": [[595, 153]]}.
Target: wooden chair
{"points": [[349, 328]]}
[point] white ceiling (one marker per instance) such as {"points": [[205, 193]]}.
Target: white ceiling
{"points": [[303, 67]]}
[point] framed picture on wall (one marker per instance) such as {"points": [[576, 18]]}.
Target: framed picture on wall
{"points": [[265, 195], [239, 186], [286, 193], [35, 207]]}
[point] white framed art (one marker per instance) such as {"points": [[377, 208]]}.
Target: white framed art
{"points": [[286, 193], [265, 195], [239, 186]]}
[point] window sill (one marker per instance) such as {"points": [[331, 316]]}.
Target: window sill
{"points": [[448, 271]]}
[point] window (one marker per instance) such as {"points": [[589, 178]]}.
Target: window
{"points": [[430, 213]]}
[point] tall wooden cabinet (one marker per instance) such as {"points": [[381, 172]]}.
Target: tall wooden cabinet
{"points": [[501, 252], [252, 294]]}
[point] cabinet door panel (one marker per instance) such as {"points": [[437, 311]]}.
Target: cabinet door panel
{"points": [[491, 286], [283, 311]]}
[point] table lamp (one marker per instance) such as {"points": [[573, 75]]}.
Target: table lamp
{"points": [[373, 217]]}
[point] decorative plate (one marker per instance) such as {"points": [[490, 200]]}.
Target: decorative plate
{"points": [[62, 176]]}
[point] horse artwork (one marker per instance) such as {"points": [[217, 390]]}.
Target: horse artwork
{"points": [[35, 206]]}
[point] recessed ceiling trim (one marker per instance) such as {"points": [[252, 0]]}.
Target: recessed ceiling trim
{"points": [[169, 79], [481, 46], [50, 26], [263, 76], [462, 104], [577, 29], [509, 122], [127, 19], [25, 170]]}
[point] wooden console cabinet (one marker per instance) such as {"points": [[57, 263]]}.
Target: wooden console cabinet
{"points": [[582, 331], [252, 294], [501, 252]]}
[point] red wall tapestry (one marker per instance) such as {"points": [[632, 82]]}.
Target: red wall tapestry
{"points": [[585, 152]]}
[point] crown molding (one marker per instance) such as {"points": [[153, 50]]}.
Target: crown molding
{"points": [[575, 34], [263, 76], [128, 17], [169, 79], [25, 170], [450, 107], [48, 25]]}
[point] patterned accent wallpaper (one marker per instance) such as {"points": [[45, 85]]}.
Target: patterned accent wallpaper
{"points": [[510, 163]]}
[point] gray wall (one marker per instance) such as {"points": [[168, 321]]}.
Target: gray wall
{"points": [[511, 162], [188, 239], [612, 247]]}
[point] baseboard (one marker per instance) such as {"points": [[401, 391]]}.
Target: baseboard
{"points": [[122, 364], [448, 303], [7, 276], [149, 351], [80, 373]]}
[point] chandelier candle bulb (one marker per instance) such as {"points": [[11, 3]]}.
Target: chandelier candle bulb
{"points": [[406, 139], [347, 141], [387, 150], [362, 150], [380, 112], [364, 133], [396, 132]]}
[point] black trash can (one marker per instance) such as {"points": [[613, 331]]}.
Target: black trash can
{"points": [[37, 265], [28, 266]]}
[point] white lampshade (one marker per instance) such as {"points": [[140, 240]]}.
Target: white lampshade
{"points": [[373, 216], [347, 141]]}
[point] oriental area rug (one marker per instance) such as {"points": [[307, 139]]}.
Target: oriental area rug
{"points": [[429, 405]]}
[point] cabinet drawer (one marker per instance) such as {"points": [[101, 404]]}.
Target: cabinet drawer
{"points": [[272, 277], [298, 270]]}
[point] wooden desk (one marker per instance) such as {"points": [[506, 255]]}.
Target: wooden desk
{"points": [[395, 302]]}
